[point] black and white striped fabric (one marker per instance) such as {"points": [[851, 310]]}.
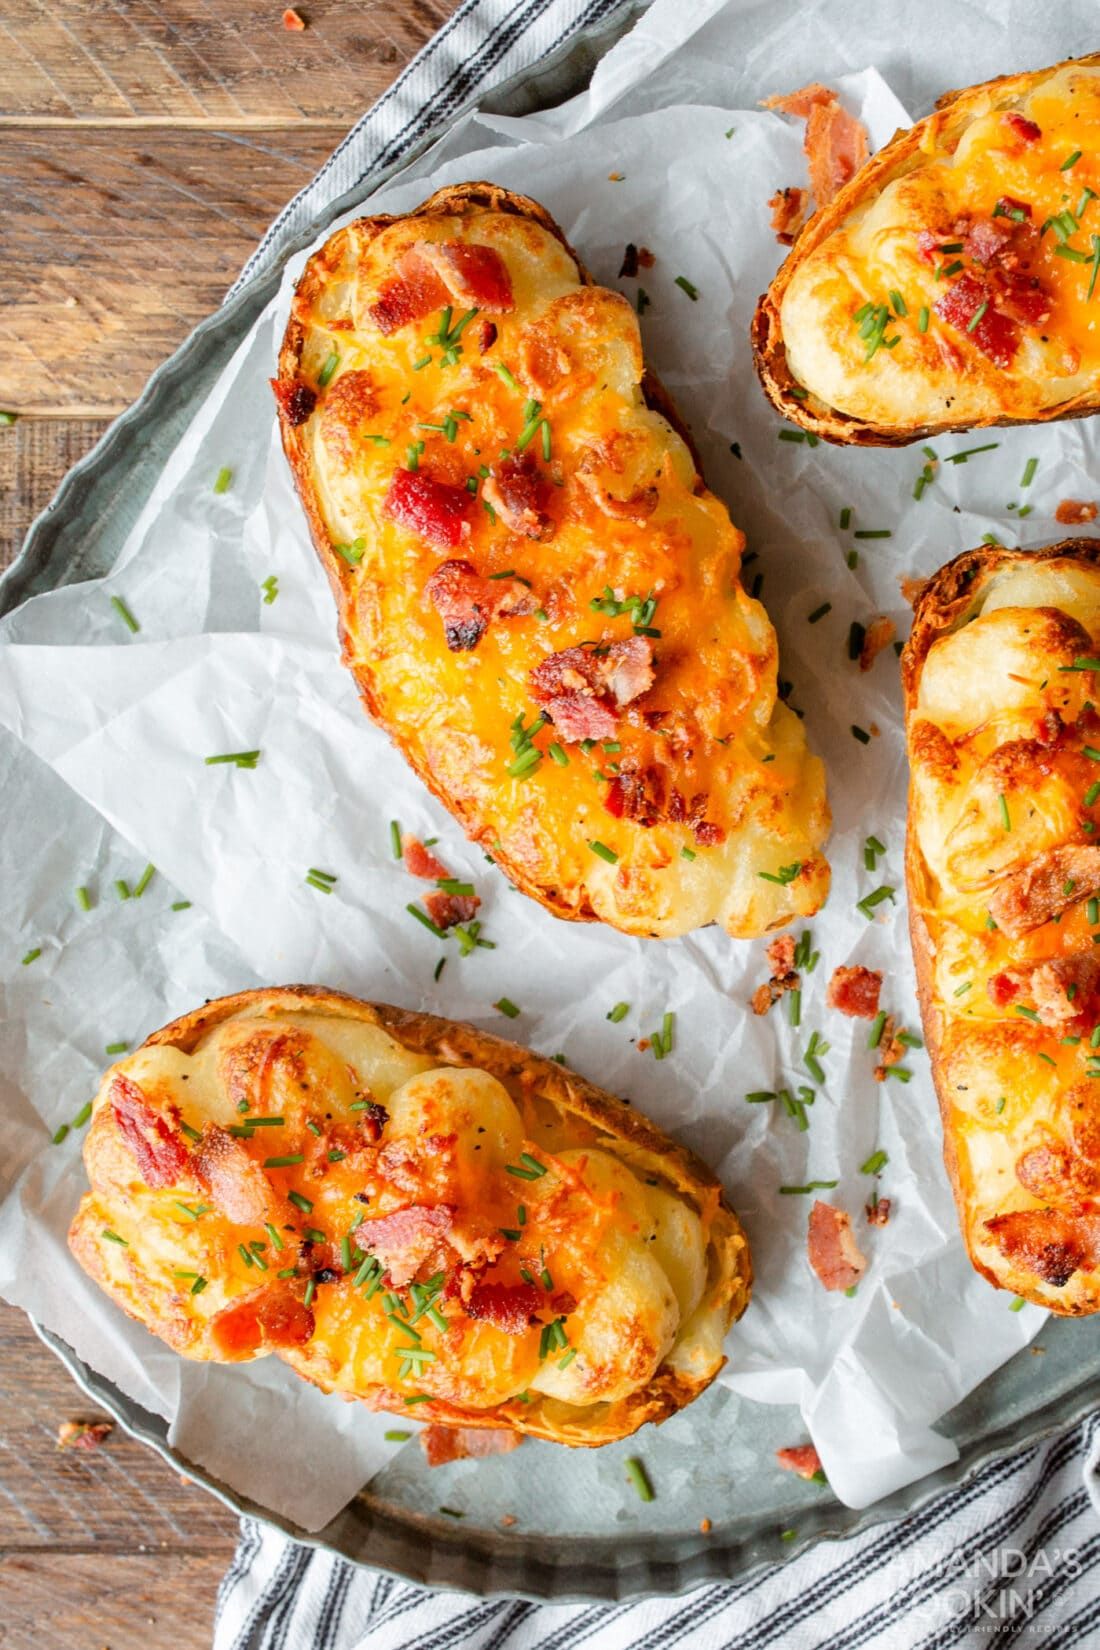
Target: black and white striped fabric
{"points": [[1014, 1556]]}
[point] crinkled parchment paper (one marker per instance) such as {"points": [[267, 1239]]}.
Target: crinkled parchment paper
{"points": [[104, 735]]}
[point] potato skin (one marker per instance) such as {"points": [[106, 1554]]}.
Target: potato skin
{"points": [[938, 134], [987, 1142], [574, 1110], [726, 746]]}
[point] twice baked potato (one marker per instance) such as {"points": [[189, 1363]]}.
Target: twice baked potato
{"points": [[538, 598], [953, 283], [1002, 679], [409, 1212]]}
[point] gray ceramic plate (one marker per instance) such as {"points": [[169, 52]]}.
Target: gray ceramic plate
{"points": [[579, 1535]]}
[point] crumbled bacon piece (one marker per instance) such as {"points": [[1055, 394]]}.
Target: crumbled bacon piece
{"points": [[637, 793], [1037, 893], [967, 305], [855, 991], [578, 716], [83, 1435], [268, 1317], [237, 1185], [434, 509], [486, 336], [878, 1211], [473, 273], [832, 1248], [780, 956], [519, 490], [419, 861], [627, 668], [581, 689], [293, 20], [161, 1156], [1022, 128], [1075, 512], [1009, 206], [801, 1458], [404, 1241], [447, 909], [510, 1307], [801, 102], [295, 400], [1022, 296], [878, 635], [891, 1049], [443, 1444], [790, 209], [467, 602], [1052, 1243], [1062, 989], [374, 1120], [628, 269], [834, 141], [986, 239], [408, 297]]}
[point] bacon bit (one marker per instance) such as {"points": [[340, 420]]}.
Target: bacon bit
{"points": [[447, 909], [160, 1154], [628, 269], [403, 1242], [833, 1251], [1075, 512], [638, 507], [435, 510], [579, 716], [268, 1318], [855, 991], [836, 146], [780, 956], [374, 1120], [575, 685], [986, 239], [878, 1212], [419, 861], [1024, 129], [473, 273], [891, 1049], [238, 1186], [563, 1303], [519, 490], [996, 335], [467, 603], [83, 1435], [801, 102], [1049, 1242], [705, 1526], [627, 668], [879, 634], [1009, 204], [443, 1444], [293, 20], [510, 1307], [790, 209], [800, 1458], [294, 399], [486, 336], [416, 292], [638, 794], [1048, 984], [707, 834], [1037, 893]]}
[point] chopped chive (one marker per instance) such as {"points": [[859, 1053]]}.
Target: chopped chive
{"points": [[298, 1200], [122, 888], [419, 1398], [786, 874], [968, 452], [32, 956], [875, 1036], [820, 612], [59, 1134], [224, 480], [504, 375], [113, 1237], [144, 880], [82, 1115], [240, 759], [638, 1476], [898, 303], [619, 1012], [810, 1186], [1027, 1013], [423, 918], [311, 1290], [977, 316], [84, 899], [794, 1001], [902, 1073], [758, 1097], [181, 905], [876, 1161], [505, 1005], [1070, 160], [324, 377], [602, 851], [556, 754], [396, 1436], [124, 614], [845, 519], [285, 1162], [687, 853], [923, 319], [116, 1048], [872, 533], [687, 286], [1006, 818], [1029, 472]]}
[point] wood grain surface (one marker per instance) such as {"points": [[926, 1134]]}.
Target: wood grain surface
{"points": [[144, 147]]}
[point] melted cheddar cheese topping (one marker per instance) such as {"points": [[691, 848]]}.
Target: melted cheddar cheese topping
{"points": [[962, 287], [396, 1230], [1005, 870], [697, 801]]}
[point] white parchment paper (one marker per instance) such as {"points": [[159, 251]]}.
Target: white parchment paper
{"points": [[103, 735]]}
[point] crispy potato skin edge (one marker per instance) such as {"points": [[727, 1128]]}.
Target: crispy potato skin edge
{"points": [[953, 110], [940, 607], [456, 200], [457, 1044]]}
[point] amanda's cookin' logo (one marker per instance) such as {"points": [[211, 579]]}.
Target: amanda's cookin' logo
{"points": [[989, 1590]]}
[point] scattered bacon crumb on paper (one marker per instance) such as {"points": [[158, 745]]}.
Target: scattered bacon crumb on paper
{"points": [[835, 143], [800, 1458], [83, 1435], [891, 1049], [879, 634], [705, 1526], [293, 20], [442, 1445], [833, 1251], [855, 991], [780, 957], [790, 207], [878, 1212], [1075, 512]]}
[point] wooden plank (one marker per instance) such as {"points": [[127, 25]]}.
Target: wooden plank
{"points": [[75, 1601], [72, 59], [116, 246], [120, 1498], [34, 455]]}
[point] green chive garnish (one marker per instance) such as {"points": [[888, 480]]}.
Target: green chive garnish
{"points": [[638, 1476], [286, 1162], [124, 614], [1006, 818], [686, 286], [506, 1006], [324, 377], [619, 1012], [602, 851], [113, 1237]]}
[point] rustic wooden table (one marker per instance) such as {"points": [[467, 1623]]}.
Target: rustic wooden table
{"points": [[146, 145]]}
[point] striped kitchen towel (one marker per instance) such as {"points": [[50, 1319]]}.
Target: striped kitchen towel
{"points": [[1012, 1555]]}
